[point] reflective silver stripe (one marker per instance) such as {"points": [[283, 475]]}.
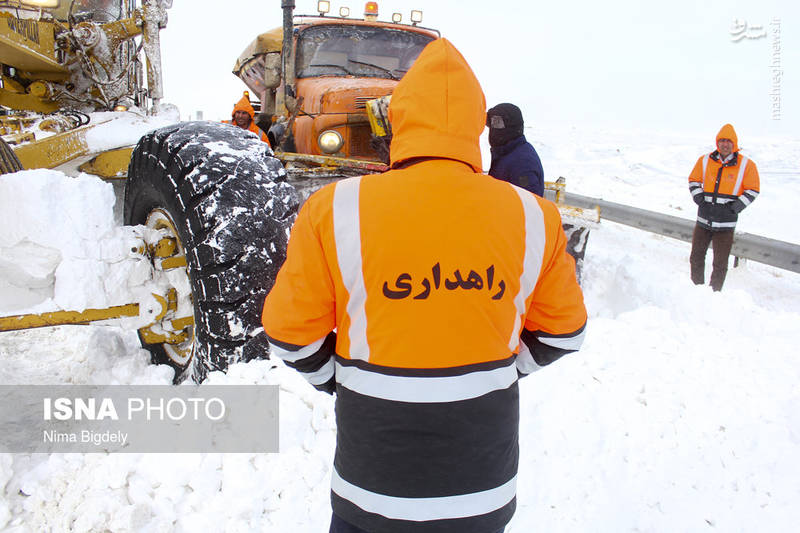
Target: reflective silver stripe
{"points": [[302, 353], [740, 176], [425, 389], [525, 362], [723, 224], [322, 375], [746, 197], [532, 262], [705, 166], [720, 200], [716, 224], [421, 509], [347, 232], [564, 343]]}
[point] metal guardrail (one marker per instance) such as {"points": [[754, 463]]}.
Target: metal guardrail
{"points": [[771, 252]]}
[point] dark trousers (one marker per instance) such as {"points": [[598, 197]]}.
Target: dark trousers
{"points": [[722, 242], [340, 526]]}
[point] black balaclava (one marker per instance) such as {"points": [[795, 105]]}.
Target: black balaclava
{"points": [[505, 124]]}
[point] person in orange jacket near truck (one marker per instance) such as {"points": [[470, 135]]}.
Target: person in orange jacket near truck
{"points": [[420, 296], [722, 184], [242, 116]]}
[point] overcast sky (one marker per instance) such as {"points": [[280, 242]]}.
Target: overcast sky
{"points": [[681, 65]]}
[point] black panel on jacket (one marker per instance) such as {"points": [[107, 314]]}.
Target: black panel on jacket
{"points": [[425, 450]]}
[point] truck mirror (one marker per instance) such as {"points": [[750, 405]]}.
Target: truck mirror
{"points": [[272, 70]]}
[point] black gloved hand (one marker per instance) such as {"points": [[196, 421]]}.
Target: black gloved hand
{"points": [[381, 147], [329, 386], [737, 206], [698, 199]]}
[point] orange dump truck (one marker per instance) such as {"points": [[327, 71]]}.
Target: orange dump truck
{"points": [[314, 77]]}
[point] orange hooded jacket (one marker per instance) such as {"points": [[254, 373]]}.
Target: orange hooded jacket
{"points": [[431, 274], [244, 105], [722, 189]]}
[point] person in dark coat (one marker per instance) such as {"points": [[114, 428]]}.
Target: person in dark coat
{"points": [[513, 158]]}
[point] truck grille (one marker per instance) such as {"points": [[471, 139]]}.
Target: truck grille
{"points": [[360, 135], [361, 101]]}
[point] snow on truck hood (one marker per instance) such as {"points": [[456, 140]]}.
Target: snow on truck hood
{"points": [[118, 129]]}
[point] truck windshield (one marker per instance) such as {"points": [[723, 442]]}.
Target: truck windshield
{"points": [[364, 51], [90, 10]]}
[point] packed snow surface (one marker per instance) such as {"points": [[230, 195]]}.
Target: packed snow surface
{"points": [[680, 413]]}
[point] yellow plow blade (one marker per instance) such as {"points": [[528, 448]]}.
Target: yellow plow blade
{"points": [[62, 318]]}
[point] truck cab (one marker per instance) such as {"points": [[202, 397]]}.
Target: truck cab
{"points": [[315, 76]]}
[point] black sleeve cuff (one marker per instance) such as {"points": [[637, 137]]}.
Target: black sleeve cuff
{"points": [[329, 386]]}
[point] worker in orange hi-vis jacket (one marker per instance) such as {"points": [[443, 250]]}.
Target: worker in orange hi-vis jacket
{"points": [[420, 296], [722, 184], [242, 116]]}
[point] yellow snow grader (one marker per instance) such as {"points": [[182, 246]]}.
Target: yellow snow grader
{"points": [[211, 202], [215, 203], [62, 60]]}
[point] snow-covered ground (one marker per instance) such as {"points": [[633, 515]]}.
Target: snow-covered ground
{"points": [[680, 413]]}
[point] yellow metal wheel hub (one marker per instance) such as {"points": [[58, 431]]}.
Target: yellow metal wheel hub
{"points": [[173, 327]]}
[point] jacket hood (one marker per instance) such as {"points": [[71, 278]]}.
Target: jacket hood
{"points": [[244, 105], [438, 108], [727, 132], [505, 124]]}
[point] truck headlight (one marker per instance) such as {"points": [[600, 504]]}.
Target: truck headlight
{"points": [[330, 141]]}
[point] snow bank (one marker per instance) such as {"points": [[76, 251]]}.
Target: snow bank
{"points": [[680, 411], [679, 414], [60, 248], [170, 492]]}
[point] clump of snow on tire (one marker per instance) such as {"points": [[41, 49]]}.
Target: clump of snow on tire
{"points": [[233, 209]]}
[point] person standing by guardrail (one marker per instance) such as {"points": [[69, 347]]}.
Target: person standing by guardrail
{"points": [[722, 184]]}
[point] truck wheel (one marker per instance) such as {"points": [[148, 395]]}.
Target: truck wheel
{"points": [[223, 209], [9, 162]]}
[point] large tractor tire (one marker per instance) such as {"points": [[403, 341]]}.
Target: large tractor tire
{"points": [[9, 162], [220, 196]]}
